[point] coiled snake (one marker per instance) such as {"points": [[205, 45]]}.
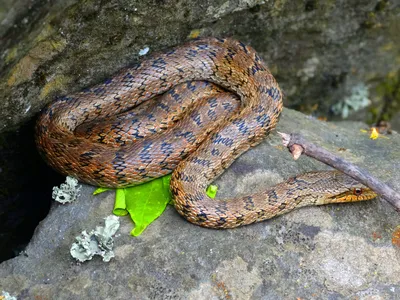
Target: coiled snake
{"points": [[213, 100]]}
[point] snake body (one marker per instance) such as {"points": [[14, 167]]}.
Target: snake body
{"points": [[212, 100]]}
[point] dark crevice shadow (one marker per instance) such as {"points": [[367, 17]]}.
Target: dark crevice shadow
{"points": [[26, 183]]}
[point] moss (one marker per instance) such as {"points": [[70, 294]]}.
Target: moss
{"points": [[389, 91], [279, 6], [56, 84], [195, 33], [371, 21], [311, 5], [46, 32], [387, 47], [381, 5]]}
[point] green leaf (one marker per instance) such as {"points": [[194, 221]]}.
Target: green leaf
{"points": [[212, 191], [146, 202], [101, 190], [120, 203]]}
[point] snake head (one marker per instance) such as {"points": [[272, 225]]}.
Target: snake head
{"points": [[359, 193], [346, 189]]}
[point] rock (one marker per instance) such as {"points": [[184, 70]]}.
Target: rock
{"points": [[318, 50], [328, 252], [322, 53]]}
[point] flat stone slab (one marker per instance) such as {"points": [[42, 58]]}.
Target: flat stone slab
{"points": [[328, 252]]}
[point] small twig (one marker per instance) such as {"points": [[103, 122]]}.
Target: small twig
{"points": [[297, 145]]}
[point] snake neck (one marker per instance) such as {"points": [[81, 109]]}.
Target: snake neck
{"points": [[313, 188]]}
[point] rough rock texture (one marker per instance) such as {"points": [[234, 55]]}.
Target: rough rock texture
{"points": [[322, 53], [319, 50], [330, 252]]}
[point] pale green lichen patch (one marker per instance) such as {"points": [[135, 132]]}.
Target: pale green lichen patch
{"points": [[67, 192], [96, 242], [309, 70], [358, 99], [6, 296]]}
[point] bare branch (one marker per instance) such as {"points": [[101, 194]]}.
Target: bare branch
{"points": [[298, 145]]}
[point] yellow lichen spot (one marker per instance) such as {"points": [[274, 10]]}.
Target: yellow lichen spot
{"points": [[47, 31], [280, 147], [12, 54], [194, 33], [42, 52], [22, 71], [374, 133], [392, 74], [59, 44], [387, 47], [47, 49], [56, 84]]}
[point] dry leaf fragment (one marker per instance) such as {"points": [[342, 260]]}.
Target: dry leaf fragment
{"points": [[396, 237], [374, 134]]}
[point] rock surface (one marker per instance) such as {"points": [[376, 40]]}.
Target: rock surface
{"points": [[318, 50], [322, 53], [329, 252]]}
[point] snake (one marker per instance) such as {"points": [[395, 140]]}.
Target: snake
{"points": [[191, 111]]}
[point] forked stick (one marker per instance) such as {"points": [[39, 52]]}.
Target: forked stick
{"points": [[297, 146]]}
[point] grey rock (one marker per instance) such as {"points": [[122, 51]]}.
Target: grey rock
{"points": [[318, 50], [328, 252]]}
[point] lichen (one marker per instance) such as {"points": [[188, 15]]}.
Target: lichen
{"points": [[11, 55], [46, 32], [6, 296], [358, 99], [67, 192], [371, 21], [309, 70], [42, 52], [381, 5], [23, 71], [389, 91], [195, 33], [97, 242], [144, 51], [56, 84]]}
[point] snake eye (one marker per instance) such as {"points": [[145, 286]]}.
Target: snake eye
{"points": [[357, 191]]}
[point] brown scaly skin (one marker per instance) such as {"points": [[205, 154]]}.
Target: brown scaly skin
{"points": [[96, 137]]}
